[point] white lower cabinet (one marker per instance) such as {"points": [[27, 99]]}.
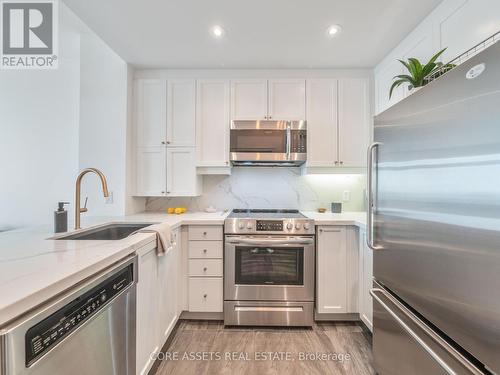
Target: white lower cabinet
{"points": [[157, 300], [366, 281], [147, 306], [205, 294], [205, 269], [331, 266], [168, 268]]}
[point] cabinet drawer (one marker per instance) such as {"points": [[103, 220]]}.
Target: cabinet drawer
{"points": [[205, 267], [205, 249], [205, 232], [205, 294]]}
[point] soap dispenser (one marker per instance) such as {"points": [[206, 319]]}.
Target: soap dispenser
{"points": [[61, 218]]}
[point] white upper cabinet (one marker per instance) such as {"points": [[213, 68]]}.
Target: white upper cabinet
{"points": [[165, 138], [213, 122], [275, 99], [181, 112], [287, 99], [461, 24], [338, 122], [151, 171], [354, 121], [322, 122], [182, 179], [456, 25], [151, 113], [249, 99]]}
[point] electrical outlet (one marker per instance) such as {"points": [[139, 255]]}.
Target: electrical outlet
{"points": [[109, 200], [346, 196]]}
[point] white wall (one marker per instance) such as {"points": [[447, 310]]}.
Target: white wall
{"points": [[457, 25], [54, 123], [103, 124], [271, 188], [39, 134]]}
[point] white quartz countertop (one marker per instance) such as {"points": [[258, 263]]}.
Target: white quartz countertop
{"points": [[345, 218], [35, 268]]}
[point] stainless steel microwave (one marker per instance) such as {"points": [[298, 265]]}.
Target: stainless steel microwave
{"points": [[268, 143]]}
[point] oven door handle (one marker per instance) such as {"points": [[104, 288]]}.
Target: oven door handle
{"points": [[269, 242]]}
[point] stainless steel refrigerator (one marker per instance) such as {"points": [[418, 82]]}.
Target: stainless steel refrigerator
{"points": [[434, 225]]}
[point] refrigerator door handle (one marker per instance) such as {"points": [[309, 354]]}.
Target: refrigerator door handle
{"points": [[369, 218], [466, 364]]}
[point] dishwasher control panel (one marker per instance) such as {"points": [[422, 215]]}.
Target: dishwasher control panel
{"points": [[49, 332]]}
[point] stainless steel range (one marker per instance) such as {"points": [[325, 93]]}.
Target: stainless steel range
{"points": [[269, 268]]}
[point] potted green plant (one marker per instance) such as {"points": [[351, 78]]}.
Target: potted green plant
{"points": [[418, 72]]}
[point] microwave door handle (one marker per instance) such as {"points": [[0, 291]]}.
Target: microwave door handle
{"points": [[288, 141]]}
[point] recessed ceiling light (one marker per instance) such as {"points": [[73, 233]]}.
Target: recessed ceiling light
{"points": [[333, 30], [217, 31]]}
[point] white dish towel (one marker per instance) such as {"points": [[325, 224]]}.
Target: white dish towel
{"points": [[163, 237]]}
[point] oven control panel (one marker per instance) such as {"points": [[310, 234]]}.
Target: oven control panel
{"points": [[270, 225], [49, 332]]}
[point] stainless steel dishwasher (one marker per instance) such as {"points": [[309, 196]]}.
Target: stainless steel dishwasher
{"points": [[88, 330]]}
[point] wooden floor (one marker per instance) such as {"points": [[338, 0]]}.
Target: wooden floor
{"points": [[264, 351]]}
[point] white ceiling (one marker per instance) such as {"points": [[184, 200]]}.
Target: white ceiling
{"points": [[259, 33]]}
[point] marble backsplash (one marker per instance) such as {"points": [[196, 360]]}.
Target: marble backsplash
{"points": [[271, 188]]}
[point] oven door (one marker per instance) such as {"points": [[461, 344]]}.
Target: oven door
{"points": [[263, 141], [269, 268]]}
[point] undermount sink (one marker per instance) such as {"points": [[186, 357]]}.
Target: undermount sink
{"points": [[113, 231]]}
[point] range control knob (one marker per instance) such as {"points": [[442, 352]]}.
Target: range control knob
{"points": [[241, 225], [249, 225], [289, 226], [298, 226], [306, 226]]}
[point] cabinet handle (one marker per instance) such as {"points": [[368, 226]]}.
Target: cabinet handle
{"points": [[162, 142], [163, 192], [205, 296], [329, 230], [204, 233], [341, 163], [204, 251], [204, 269], [336, 162], [270, 117]]}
